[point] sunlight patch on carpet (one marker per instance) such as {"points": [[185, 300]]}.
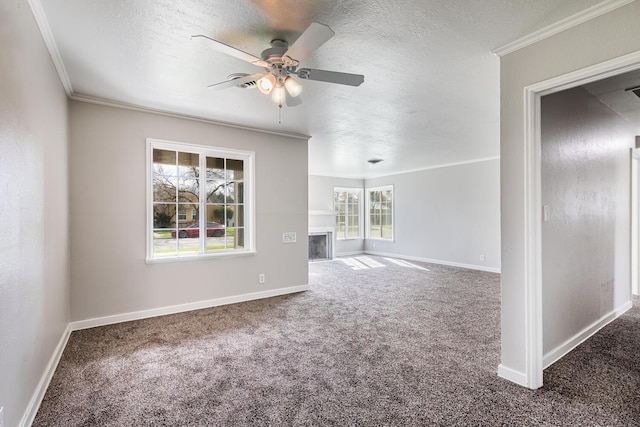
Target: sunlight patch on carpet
{"points": [[403, 263], [355, 264]]}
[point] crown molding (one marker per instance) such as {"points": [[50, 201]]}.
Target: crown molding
{"points": [[560, 26], [133, 107], [405, 171], [444, 165], [47, 35]]}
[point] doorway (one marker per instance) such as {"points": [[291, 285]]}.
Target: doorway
{"points": [[536, 359]]}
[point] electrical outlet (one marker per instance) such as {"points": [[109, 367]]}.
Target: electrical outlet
{"points": [[482, 258], [289, 237], [261, 280]]}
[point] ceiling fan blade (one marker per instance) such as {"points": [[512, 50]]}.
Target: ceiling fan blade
{"points": [[312, 38], [236, 82], [331, 76], [232, 51], [293, 101]]}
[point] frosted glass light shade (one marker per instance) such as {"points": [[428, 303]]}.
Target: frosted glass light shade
{"points": [[293, 87], [266, 84], [277, 95]]}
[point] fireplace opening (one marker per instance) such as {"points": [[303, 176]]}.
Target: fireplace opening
{"points": [[319, 246]]}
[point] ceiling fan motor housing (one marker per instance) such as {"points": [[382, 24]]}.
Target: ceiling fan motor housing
{"points": [[275, 52]]}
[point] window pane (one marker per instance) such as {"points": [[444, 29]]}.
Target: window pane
{"points": [[215, 191], [164, 162], [230, 216], [216, 213], [164, 215], [188, 164], [163, 243], [188, 190], [164, 176], [386, 225], [230, 193], [189, 245], [164, 188], [238, 216], [215, 229], [232, 239], [235, 170], [238, 241], [239, 192], [215, 169], [186, 214]]}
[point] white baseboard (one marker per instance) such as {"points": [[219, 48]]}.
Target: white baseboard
{"points": [[559, 352], [41, 389], [143, 314], [512, 375], [436, 261]]}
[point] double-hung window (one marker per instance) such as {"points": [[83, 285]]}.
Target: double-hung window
{"points": [[199, 200], [380, 208], [347, 206]]}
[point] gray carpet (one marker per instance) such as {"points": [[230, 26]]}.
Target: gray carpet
{"points": [[368, 345]]}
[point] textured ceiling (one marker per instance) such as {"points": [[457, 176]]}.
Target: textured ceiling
{"points": [[431, 90], [614, 92]]}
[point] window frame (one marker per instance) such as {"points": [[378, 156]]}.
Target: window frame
{"points": [[368, 192], [249, 200], [359, 192]]}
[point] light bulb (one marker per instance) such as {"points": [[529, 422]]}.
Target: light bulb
{"points": [[293, 87], [278, 95], [266, 83]]}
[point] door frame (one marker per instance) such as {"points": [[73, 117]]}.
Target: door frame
{"points": [[635, 220], [533, 200]]}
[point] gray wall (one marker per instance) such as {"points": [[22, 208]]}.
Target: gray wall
{"points": [[34, 249], [585, 243], [606, 37], [449, 215], [321, 199], [109, 275]]}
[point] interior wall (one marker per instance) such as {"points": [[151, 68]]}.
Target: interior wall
{"points": [[586, 240], [321, 199], [606, 37], [109, 275], [449, 215], [34, 249]]}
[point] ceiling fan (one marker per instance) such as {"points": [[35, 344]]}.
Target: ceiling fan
{"points": [[280, 62]]}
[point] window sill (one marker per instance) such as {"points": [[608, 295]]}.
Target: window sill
{"points": [[199, 257]]}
